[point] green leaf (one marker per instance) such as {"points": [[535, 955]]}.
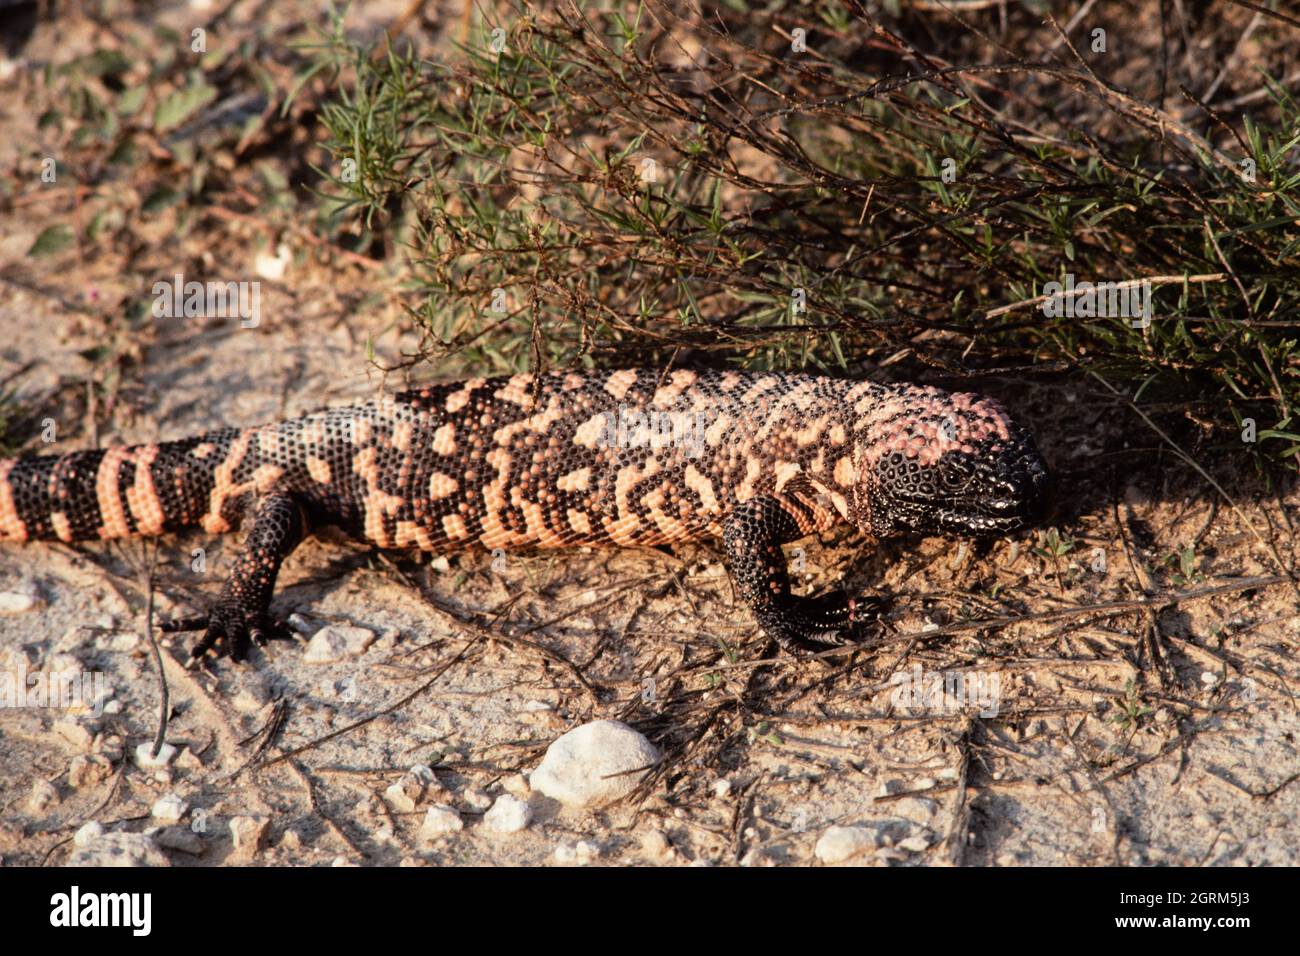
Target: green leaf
{"points": [[177, 107], [53, 239]]}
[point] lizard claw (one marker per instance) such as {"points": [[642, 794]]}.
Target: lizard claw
{"points": [[228, 629]]}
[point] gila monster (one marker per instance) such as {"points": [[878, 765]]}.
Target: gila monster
{"points": [[630, 457]]}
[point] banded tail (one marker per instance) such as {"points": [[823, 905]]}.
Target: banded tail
{"points": [[118, 492]]}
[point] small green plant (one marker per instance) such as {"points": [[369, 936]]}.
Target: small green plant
{"points": [[1131, 708], [1184, 561]]}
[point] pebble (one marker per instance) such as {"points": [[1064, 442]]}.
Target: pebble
{"points": [[119, 849], [182, 839], [440, 820], [838, 844], [915, 844], [589, 766], [43, 795], [476, 799], [145, 759], [249, 834], [517, 784], [88, 833], [337, 642], [75, 733], [722, 788], [580, 853], [19, 602], [508, 815], [169, 809], [655, 846]]}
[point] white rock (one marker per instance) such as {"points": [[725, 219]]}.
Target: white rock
{"points": [[508, 815], [42, 796], [722, 788], [169, 809], [399, 799], [88, 833], [594, 764], [19, 602], [248, 834], [476, 799], [145, 759], [440, 820], [838, 844], [337, 642], [119, 849], [655, 846], [440, 563], [517, 784], [273, 266], [915, 844]]}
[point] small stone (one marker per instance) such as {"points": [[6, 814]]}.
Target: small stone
{"points": [[838, 844], [272, 267], [145, 758], [401, 798], [440, 820], [476, 799], [249, 834], [655, 846], [916, 808], [924, 783], [42, 796], [517, 784], [88, 833], [181, 839], [1209, 678], [536, 706], [110, 746], [722, 788], [594, 764], [169, 809], [336, 642], [508, 815], [86, 770], [440, 563], [19, 602], [113, 707], [291, 839], [119, 849], [915, 844], [75, 733]]}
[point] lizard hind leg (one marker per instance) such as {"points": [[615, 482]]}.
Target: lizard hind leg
{"points": [[241, 612], [752, 537]]}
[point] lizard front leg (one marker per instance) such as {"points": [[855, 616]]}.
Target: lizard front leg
{"points": [[752, 537], [240, 614]]}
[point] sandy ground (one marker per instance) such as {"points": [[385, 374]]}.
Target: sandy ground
{"points": [[1115, 709]]}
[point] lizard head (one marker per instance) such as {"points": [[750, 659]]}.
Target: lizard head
{"points": [[938, 462]]}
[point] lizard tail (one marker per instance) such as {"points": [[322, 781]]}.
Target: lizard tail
{"points": [[119, 492]]}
